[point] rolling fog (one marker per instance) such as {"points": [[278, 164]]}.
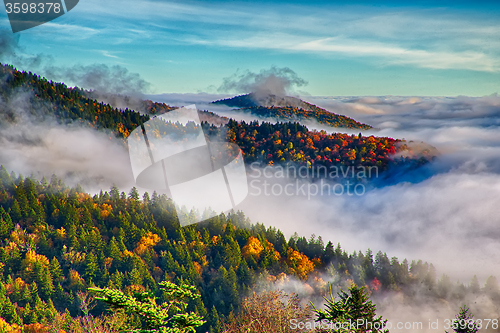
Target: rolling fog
{"points": [[445, 213]]}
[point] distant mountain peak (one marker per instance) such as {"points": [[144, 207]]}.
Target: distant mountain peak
{"points": [[287, 108], [265, 100]]}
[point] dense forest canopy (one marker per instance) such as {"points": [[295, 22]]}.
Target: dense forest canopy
{"points": [[57, 241], [265, 142], [286, 108]]}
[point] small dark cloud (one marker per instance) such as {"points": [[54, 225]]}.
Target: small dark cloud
{"points": [[9, 43], [11, 51], [102, 78], [277, 81]]}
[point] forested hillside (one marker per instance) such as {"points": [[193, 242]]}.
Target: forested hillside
{"points": [[288, 108], [58, 241], [265, 142], [44, 98], [316, 114], [263, 99], [292, 142]]}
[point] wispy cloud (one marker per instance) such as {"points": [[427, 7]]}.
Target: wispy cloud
{"points": [[425, 38], [419, 43], [386, 53], [66, 31], [108, 54]]}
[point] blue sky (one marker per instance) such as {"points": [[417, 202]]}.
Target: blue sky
{"points": [[340, 48]]}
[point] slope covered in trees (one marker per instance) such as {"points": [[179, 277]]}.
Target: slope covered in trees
{"points": [[56, 242], [264, 142], [316, 114], [288, 108], [42, 98], [281, 143], [266, 100]]}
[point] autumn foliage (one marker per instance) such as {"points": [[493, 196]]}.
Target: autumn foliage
{"points": [[299, 264], [147, 242], [253, 248]]}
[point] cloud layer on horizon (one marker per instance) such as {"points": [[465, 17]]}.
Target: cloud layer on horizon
{"points": [[445, 214]]}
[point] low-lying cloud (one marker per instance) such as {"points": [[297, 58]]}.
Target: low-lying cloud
{"points": [[36, 144], [444, 213]]}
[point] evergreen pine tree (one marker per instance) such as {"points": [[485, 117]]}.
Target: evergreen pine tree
{"points": [[59, 294], [29, 315], [113, 249], [114, 193], [9, 311], [15, 212], [5, 179], [134, 194], [34, 290], [354, 308], [26, 295], [328, 253], [55, 270], [491, 285], [474, 285], [46, 284], [232, 253], [464, 322], [6, 225], [91, 267], [215, 322], [243, 272]]}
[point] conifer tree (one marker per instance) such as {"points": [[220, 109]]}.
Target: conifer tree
{"points": [[474, 285], [34, 290], [46, 283], [59, 294], [29, 315], [9, 312], [215, 323], [55, 269], [91, 266], [134, 194], [113, 249], [491, 285], [114, 193], [464, 322], [232, 253], [6, 224], [15, 212], [5, 179], [353, 310]]}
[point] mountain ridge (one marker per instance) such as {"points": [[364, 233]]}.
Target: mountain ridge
{"points": [[265, 142], [265, 100], [287, 108]]}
